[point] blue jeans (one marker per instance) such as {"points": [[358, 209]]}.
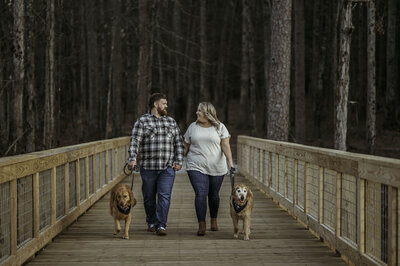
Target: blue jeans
{"points": [[205, 185], [157, 183]]}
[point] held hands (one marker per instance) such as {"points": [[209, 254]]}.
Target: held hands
{"points": [[176, 166]]}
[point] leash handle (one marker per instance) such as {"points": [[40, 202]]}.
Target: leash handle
{"points": [[127, 167], [232, 175], [134, 169]]}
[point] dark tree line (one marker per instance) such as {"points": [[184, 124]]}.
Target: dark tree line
{"points": [[77, 71]]}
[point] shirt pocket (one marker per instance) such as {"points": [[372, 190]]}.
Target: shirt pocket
{"points": [[170, 130], [150, 132]]}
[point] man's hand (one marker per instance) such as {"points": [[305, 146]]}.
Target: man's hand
{"points": [[131, 165], [176, 167]]}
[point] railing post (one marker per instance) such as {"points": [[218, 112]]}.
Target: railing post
{"points": [[87, 177], [106, 173], [295, 177], [66, 179], [53, 191], [101, 169], [338, 202], [285, 181], [306, 195], [269, 170], [321, 196], [361, 217], [251, 165], [276, 172], [94, 173], [115, 164], [263, 173], [259, 165], [392, 225], [14, 217], [77, 183], [36, 205]]}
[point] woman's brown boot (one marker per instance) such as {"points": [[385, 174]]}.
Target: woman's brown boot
{"points": [[202, 229], [214, 225]]}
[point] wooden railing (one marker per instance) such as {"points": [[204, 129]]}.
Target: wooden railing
{"points": [[348, 200], [42, 193]]}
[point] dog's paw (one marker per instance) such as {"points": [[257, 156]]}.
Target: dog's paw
{"points": [[125, 237], [116, 232], [246, 238], [235, 235]]}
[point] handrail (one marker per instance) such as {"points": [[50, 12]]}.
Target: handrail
{"points": [[349, 200], [41, 193]]}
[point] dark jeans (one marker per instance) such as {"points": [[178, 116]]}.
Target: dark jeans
{"points": [[157, 183], [205, 185]]}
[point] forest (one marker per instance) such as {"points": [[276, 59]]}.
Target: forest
{"points": [[322, 73]]}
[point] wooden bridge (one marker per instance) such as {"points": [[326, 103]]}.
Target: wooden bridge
{"points": [[312, 207]]}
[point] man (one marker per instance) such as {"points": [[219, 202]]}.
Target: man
{"points": [[157, 139]]}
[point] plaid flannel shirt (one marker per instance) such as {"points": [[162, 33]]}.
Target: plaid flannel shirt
{"points": [[157, 141]]}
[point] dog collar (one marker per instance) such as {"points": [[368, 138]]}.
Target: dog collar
{"points": [[237, 207], [126, 210]]}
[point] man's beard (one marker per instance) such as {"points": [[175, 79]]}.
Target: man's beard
{"points": [[162, 112]]}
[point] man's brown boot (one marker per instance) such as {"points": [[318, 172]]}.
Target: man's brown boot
{"points": [[202, 229], [214, 225]]}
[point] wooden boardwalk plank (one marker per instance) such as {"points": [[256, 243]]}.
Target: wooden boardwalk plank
{"points": [[276, 238]]}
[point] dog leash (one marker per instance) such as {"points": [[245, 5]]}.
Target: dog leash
{"points": [[132, 171], [232, 175]]}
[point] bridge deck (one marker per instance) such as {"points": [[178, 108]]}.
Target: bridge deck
{"points": [[276, 239]]}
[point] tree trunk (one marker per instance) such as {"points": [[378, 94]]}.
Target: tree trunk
{"points": [[4, 130], [244, 88], [314, 68], [221, 61], [144, 63], [111, 78], [93, 62], [392, 69], [176, 24], [102, 107], [371, 79], [342, 89], [279, 92], [299, 69], [252, 72], [204, 90], [227, 91], [82, 115], [31, 80], [49, 126], [19, 75], [267, 55], [190, 106], [116, 81], [333, 74]]}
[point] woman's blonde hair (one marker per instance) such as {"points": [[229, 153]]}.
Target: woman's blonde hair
{"points": [[209, 112]]}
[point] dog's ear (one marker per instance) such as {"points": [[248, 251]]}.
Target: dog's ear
{"points": [[249, 193]]}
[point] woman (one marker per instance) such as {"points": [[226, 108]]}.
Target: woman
{"points": [[207, 148]]}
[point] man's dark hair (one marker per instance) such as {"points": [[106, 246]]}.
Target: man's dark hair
{"points": [[155, 97]]}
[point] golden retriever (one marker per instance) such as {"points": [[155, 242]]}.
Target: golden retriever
{"points": [[241, 201], [121, 205]]}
